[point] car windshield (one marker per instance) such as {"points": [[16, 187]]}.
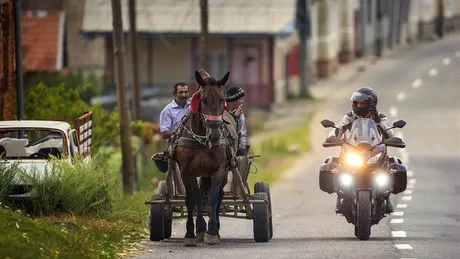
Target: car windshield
{"points": [[364, 131], [20, 143]]}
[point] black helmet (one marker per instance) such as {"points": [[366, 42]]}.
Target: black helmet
{"points": [[362, 99]]}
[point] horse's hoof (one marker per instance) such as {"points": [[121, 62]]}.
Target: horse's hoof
{"points": [[212, 239], [190, 242], [200, 236]]}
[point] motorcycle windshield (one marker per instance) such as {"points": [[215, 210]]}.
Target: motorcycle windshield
{"points": [[364, 131]]}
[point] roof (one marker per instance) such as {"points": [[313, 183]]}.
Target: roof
{"points": [[182, 17], [59, 125], [42, 40]]}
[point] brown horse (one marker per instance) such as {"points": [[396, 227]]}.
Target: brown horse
{"points": [[202, 151]]}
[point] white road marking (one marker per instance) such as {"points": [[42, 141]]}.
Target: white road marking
{"points": [[410, 173], [401, 96], [408, 192], [446, 61], [412, 181], [407, 198], [394, 112], [417, 83], [277, 216], [433, 72], [398, 213], [410, 186], [397, 221], [398, 233], [457, 54], [401, 206], [403, 246]]}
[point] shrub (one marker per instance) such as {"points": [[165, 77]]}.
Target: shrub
{"points": [[7, 174], [83, 188]]}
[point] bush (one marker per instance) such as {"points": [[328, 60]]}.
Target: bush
{"points": [[89, 85], [60, 103], [7, 174], [83, 188]]}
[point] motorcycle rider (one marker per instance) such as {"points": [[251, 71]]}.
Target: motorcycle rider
{"points": [[364, 102]]}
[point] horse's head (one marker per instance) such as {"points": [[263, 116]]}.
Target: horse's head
{"points": [[211, 102]]}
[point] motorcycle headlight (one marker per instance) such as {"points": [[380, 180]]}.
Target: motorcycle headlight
{"points": [[353, 159], [374, 159], [382, 179], [345, 179]]}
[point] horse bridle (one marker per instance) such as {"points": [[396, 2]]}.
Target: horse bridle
{"points": [[210, 122]]}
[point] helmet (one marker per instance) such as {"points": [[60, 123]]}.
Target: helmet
{"points": [[362, 99]]}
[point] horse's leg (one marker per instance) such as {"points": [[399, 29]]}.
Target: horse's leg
{"points": [[200, 222], [218, 207], [190, 238], [221, 196], [212, 235], [205, 186]]}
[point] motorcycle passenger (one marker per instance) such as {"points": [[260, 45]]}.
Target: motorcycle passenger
{"points": [[364, 106]]}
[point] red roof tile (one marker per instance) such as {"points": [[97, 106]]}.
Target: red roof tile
{"points": [[40, 39]]}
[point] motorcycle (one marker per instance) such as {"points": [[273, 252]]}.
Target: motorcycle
{"points": [[363, 175]]}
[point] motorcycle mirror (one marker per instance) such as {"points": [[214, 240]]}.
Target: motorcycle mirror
{"points": [[399, 124], [328, 124], [333, 141], [395, 142]]}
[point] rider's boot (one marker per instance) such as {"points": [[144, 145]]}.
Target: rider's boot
{"points": [[337, 206], [389, 206]]}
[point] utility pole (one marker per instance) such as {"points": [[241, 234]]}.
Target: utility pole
{"points": [[125, 131], [18, 43], [379, 36], [303, 29], [132, 29], [204, 57]]}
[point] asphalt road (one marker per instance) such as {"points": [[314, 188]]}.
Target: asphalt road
{"points": [[421, 86]]}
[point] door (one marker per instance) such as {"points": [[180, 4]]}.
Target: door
{"points": [[246, 71]]}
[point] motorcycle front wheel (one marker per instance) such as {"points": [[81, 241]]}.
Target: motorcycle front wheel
{"points": [[363, 214]]}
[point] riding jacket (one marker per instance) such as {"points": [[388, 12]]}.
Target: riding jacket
{"points": [[347, 121]]}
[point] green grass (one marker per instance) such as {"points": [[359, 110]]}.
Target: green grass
{"points": [[278, 151], [62, 237], [81, 211]]}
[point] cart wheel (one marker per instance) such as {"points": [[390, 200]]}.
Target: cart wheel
{"points": [[168, 227], [157, 221], [261, 221], [167, 220], [265, 188]]}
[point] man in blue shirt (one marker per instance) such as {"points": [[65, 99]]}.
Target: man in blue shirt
{"points": [[170, 117], [172, 114]]}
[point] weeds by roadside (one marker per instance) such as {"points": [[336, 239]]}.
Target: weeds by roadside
{"points": [[78, 211], [278, 151]]}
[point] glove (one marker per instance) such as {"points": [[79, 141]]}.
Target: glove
{"points": [[374, 113]]}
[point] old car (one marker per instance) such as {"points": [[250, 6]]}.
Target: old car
{"points": [[30, 144]]}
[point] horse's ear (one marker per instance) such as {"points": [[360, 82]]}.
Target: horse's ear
{"points": [[198, 78], [224, 79]]}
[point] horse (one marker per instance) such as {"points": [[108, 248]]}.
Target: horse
{"points": [[201, 151]]}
